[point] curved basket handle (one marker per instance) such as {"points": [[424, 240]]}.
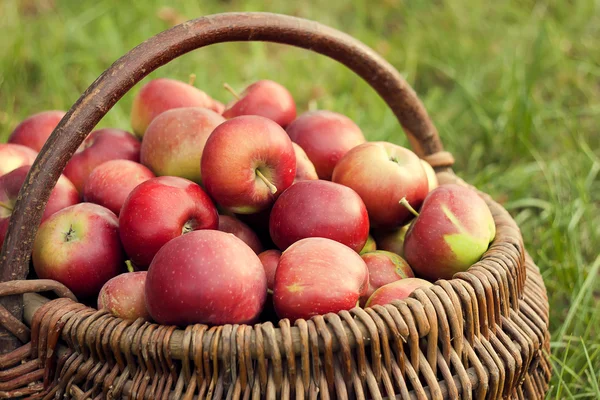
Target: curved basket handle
{"points": [[102, 95]]}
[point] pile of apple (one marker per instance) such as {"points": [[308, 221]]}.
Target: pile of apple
{"points": [[233, 214]]}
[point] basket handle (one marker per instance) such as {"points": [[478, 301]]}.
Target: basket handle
{"points": [[102, 95]]}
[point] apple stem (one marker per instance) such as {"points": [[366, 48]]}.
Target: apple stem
{"points": [[129, 266], [271, 187], [4, 205], [192, 79], [406, 204], [231, 90], [269, 291]]}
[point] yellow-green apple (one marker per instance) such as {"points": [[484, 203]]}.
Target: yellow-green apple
{"points": [[161, 209], [451, 233], [175, 139], [205, 277], [100, 146], [319, 209], [110, 183], [316, 276], [325, 136], [162, 94], [123, 296], [382, 174], [384, 267], [79, 247], [370, 245], [305, 170], [391, 240], [247, 162], [63, 195], [13, 156], [432, 180], [266, 98], [270, 260], [397, 290], [233, 225], [34, 130]]}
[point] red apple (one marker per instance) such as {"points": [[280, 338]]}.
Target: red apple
{"points": [[241, 230], [316, 276], [431, 176], [397, 290], [265, 98], [247, 162], [325, 136], [451, 233], [384, 267], [391, 240], [270, 260], [13, 156], [319, 209], [36, 129], [175, 139], [205, 277], [63, 195], [162, 94], [382, 174], [123, 296], [305, 170], [369, 246], [79, 247], [110, 183], [161, 209], [100, 146]]}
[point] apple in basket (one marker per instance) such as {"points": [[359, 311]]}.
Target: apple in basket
{"points": [[270, 261], [174, 141], [100, 146], [382, 174], [13, 156], [159, 210], [248, 161], [34, 130], [396, 290], [110, 183], [207, 277], [123, 296], [79, 246], [63, 195], [316, 276], [319, 209], [451, 233], [384, 267], [162, 94], [325, 136], [305, 169], [266, 98]]}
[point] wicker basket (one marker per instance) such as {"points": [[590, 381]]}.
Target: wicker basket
{"points": [[482, 334]]}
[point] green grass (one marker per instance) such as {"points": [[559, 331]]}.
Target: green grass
{"points": [[513, 87]]}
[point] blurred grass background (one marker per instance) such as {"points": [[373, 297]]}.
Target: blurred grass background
{"points": [[513, 87]]}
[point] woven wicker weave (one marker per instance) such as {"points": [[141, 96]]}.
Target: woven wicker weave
{"points": [[482, 334]]}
